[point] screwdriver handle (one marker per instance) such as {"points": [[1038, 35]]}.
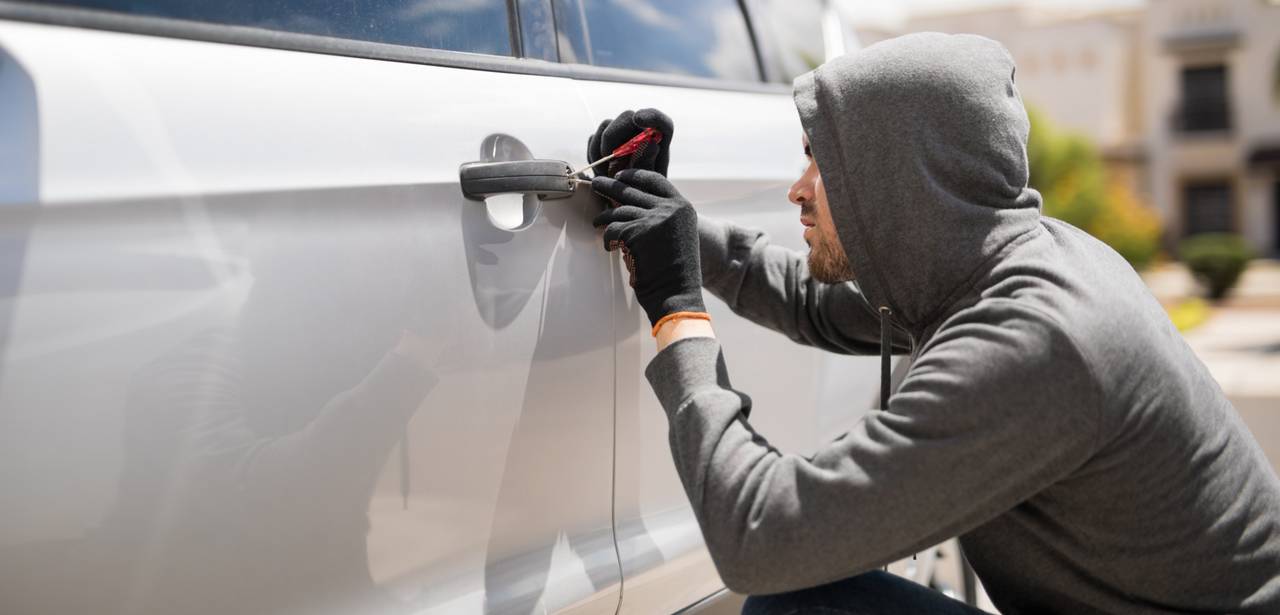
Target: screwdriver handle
{"points": [[648, 135]]}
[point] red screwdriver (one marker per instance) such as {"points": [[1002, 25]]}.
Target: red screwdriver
{"points": [[646, 136]]}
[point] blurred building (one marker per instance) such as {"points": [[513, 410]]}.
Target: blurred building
{"points": [[1212, 116], [1179, 95]]}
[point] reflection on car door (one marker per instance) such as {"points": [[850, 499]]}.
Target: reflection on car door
{"points": [[260, 354]]}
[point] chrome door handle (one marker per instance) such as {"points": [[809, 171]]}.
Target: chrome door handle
{"points": [[549, 179]]}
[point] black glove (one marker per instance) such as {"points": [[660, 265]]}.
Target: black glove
{"points": [[615, 132], [658, 228]]}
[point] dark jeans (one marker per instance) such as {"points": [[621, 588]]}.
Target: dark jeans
{"points": [[871, 593]]}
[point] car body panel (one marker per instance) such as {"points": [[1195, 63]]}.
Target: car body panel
{"points": [[261, 355]]}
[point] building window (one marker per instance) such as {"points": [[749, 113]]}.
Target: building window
{"points": [[1208, 207], [1088, 58], [1204, 100], [1275, 218], [1058, 60], [1275, 79]]}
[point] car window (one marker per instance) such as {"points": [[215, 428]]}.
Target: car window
{"points": [[795, 31], [709, 38], [479, 26]]}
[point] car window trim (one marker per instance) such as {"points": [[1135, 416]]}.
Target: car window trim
{"points": [[513, 28], [292, 41], [765, 41], [745, 12]]}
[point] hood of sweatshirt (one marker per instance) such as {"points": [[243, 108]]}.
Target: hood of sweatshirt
{"points": [[921, 142]]}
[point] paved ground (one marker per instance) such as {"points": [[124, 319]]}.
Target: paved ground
{"points": [[1259, 287]]}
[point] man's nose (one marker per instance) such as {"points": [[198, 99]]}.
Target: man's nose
{"points": [[798, 193]]}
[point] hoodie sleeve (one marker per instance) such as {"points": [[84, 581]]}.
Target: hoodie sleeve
{"points": [[771, 286], [966, 439]]}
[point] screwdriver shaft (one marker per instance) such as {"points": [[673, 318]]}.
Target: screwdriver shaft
{"points": [[594, 165]]}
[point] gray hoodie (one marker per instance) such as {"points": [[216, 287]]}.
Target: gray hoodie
{"points": [[1052, 416]]}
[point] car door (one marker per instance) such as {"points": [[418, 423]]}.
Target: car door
{"points": [[735, 151], [259, 354]]}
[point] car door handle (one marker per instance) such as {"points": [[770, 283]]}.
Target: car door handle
{"points": [[549, 179]]}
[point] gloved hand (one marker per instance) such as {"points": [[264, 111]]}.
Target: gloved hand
{"points": [[615, 132], [658, 229]]}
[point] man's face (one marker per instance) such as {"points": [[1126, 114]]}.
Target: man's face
{"points": [[827, 260]]}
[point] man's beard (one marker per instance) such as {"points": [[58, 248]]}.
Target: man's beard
{"points": [[828, 263]]}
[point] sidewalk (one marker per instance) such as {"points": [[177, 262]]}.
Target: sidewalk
{"points": [[1259, 287]]}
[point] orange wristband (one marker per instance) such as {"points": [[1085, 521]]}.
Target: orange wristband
{"points": [[679, 316]]}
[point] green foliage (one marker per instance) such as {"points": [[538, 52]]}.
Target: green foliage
{"points": [[1068, 171], [1216, 259], [1128, 225]]}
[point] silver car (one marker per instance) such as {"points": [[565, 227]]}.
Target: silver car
{"points": [[259, 353]]}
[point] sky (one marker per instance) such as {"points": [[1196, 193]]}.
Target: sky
{"points": [[889, 13]]}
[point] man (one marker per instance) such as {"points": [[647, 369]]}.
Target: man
{"points": [[1052, 417]]}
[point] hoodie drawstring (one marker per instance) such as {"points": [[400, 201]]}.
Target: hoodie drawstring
{"points": [[885, 347]]}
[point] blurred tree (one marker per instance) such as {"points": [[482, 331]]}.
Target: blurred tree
{"points": [[1217, 260], [1128, 225], [1068, 171]]}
